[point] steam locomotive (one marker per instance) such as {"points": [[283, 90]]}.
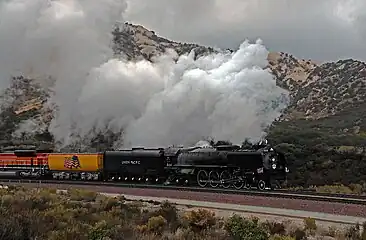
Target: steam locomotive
{"points": [[220, 166]]}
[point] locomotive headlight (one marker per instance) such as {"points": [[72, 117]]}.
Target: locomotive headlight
{"points": [[287, 170], [274, 166]]}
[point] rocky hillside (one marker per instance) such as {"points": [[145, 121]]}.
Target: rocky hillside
{"points": [[291, 73], [331, 88], [137, 42]]}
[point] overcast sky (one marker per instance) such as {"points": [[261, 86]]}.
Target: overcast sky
{"points": [[318, 29]]}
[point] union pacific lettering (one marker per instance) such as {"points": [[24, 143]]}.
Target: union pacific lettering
{"points": [[130, 162]]}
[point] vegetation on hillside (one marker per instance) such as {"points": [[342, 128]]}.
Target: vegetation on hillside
{"points": [[324, 151], [30, 214]]}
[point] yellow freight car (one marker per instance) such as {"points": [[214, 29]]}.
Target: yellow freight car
{"points": [[85, 166]]}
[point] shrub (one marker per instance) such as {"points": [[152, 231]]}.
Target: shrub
{"points": [[275, 228], [75, 231], [353, 232], [363, 234], [280, 237], [356, 188], [108, 204], [170, 213], [200, 219], [339, 188], [299, 234], [156, 225], [99, 231], [332, 231], [244, 229], [82, 195], [7, 200], [310, 224]]}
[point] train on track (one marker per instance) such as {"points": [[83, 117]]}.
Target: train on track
{"points": [[220, 166]]}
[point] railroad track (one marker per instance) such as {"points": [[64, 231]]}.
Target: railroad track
{"points": [[338, 198]]}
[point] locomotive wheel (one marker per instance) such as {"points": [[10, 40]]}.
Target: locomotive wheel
{"points": [[247, 185], [224, 176], [261, 185], [202, 178], [239, 184], [214, 177]]}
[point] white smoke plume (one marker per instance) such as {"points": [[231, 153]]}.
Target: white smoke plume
{"points": [[228, 96]]}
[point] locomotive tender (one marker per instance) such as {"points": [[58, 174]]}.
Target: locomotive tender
{"points": [[222, 166]]}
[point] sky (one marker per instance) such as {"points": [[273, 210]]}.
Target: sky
{"points": [[321, 30]]}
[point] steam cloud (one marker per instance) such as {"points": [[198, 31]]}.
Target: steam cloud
{"points": [[228, 96]]}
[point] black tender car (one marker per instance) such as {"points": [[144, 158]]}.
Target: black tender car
{"points": [[135, 164]]}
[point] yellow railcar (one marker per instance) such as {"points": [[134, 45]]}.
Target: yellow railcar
{"points": [[75, 162]]}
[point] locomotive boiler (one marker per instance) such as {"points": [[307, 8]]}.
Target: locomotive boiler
{"points": [[230, 166]]}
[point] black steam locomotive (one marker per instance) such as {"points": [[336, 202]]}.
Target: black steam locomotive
{"points": [[211, 166]]}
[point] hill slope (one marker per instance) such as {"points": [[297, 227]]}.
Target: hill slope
{"points": [[323, 131]]}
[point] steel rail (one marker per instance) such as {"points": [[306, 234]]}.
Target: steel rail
{"points": [[339, 198]]}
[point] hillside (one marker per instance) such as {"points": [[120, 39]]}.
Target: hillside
{"points": [[323, 131]]}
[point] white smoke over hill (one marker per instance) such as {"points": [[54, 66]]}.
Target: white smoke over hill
{"points": [[225, 96]]}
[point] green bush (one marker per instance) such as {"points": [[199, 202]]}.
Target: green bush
{"points": [[310, 224], [244, 229]]}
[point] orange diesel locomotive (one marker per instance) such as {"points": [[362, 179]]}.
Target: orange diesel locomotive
{"points": [[23, 163]]}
